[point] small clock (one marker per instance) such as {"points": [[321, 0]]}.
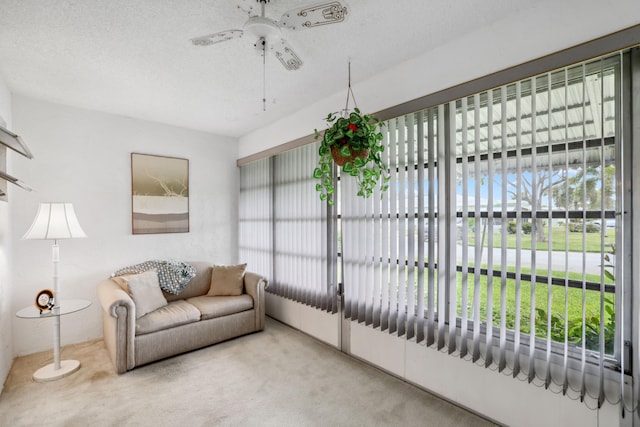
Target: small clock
{"points": [[45, 300]]}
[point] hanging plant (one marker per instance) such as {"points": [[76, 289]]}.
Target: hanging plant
{"points": [[354, 142]]}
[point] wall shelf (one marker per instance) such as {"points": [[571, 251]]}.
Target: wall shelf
{"points": [[14, 181], [12, 141]]}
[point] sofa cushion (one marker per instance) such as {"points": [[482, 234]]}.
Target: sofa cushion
{"points": [[174, 314], [144, 289], [211, 307], [227, 280]]}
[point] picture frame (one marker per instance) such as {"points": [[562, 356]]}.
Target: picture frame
{"points": [[45, 300], [159, 194]]}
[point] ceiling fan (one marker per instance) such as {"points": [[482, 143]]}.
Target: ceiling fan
{"points": [[268, 32]]}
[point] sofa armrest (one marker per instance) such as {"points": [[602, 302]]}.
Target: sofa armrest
{"points": [[254, 285], [118, 324]]}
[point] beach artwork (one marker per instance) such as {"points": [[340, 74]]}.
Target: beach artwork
{"points": [[160, 194]]}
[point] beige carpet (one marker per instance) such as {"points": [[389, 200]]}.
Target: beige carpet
{"points": [[279, 377]]}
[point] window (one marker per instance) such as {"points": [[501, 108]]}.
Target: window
{"points": [[501, 227], [283, 228], [501, 238]]}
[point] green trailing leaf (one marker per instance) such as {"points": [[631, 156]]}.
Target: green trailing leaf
{"points": [[345, 151], [317, 173]]}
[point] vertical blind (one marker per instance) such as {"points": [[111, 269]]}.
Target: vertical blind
{"points": [[255, 228], [497, 239], [501, 238], [283, 228]]}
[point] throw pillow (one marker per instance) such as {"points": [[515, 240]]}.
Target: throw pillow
{"points": [[227, 280], [120, 280], [145, 291]]}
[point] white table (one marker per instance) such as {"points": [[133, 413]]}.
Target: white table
{"points": [[58, 369]]}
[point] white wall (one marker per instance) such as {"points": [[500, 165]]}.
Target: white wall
{"points": [[484, 391], [6, 316], [317, 323], [83, 157]]}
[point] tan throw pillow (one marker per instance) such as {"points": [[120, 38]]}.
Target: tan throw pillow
{"points": [[145, 291], [227, 280], [120, 280]]}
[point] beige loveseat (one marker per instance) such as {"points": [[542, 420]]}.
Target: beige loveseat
{"points": [[189, 321]]}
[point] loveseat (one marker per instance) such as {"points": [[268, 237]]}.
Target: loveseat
{"points": [[190, 320]]}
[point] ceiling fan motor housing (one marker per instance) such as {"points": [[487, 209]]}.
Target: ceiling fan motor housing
{"points": [[260, 26]]}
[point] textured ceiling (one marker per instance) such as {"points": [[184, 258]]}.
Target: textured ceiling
{"points": [[134, 57]]}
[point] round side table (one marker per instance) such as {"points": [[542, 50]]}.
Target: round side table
{"points": [[58, 369]]}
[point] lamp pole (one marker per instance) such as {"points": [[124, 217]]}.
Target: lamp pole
{"points": [[55, 258]]}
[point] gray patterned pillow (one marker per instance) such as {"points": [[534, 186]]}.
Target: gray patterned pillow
{"points": [[174, 276]]}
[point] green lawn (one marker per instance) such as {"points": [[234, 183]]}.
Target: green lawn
{"points": [[592, 243], [573, 297]]}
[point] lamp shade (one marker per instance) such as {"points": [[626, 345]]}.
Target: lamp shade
{"points": [[55, 221]]}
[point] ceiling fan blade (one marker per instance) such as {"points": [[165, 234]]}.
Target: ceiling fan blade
{"points": [[250, 7], [214, 38], [330, 12], [285, 54]]}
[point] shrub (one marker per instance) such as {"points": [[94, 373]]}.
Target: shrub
{"points": [[512, 227], [592, 228], [574, 326], [576, 227]]}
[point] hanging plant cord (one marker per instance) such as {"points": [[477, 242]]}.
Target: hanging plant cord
{"points": [[264, 75], [345, 113], [354, 142]]}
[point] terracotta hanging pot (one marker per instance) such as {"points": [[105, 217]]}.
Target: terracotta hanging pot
{"points": [[341, 160], [354, 129]]}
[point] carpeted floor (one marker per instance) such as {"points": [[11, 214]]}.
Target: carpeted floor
{"points": [[279, 377]]}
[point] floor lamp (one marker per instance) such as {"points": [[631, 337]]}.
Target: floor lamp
{"points": [[55, 221]]}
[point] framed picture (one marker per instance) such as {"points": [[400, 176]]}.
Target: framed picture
{"points": [[159, 194]]}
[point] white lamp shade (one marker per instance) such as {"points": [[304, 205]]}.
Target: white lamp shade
{"points": [[55, 221]]}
